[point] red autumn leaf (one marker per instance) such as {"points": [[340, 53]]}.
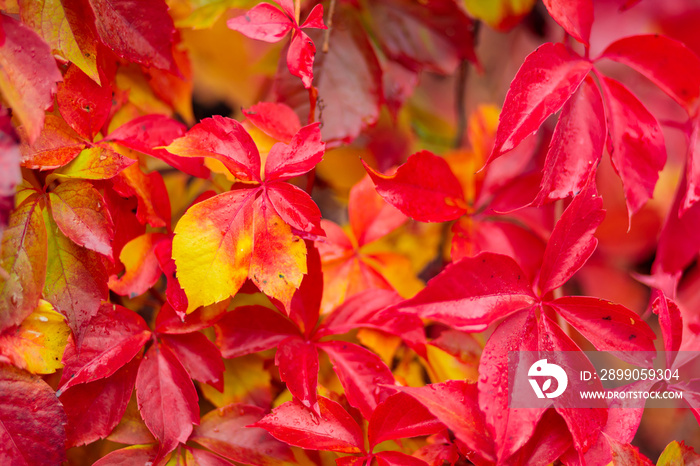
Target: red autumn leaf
{"points": [[370, 216], [396, 458], [298, 365], [81, 214], [248, 329], [490, 286], [424, 188], [609, 326], [692, 168], [9, 167], [29, 75], [142, 33], [96, 163], [76, 279], [348, 72], [670, 321], [84, 104], [636, 143], [225, 431], [549, 441], [171, 322], [136, 454], [580, 126], [575, 16], [147, 134], [401, 416], [305, 307], [572, 241], [199, 356], [511, 428], [115, 336], [149, 189], [174, 293], [269, 24], [167, 398], [24, 260], [333, 430], [56, 145], [584, 424], [31, 420], [546, 80], [454, 403], [361, 372], [668, 63], [245, 219], [435, 34], [94, 409], [276, 120]]}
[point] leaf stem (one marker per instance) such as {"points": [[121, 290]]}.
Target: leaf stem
{"points": [[329, 24], [297, 10]]}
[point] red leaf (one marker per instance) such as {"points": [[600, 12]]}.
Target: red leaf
{"points": [[136, 454], [141, 33], [295, 424], [23, 256], [298, 365], [173, 292], [357, 310], [549, 441], [572, 241], [83, 103], [636, 143], [454, 403], [584, 424], [371, 217], [361, 372], [306, 303], [276, 120], [249, 329], [575, 16], [94, 409], [224, 139], [262, 22], [668, 63], [56, 145], [149, 189], [167, 398], [401, 416], [114, 337], [692, 168], [348, 72], [581, 130], [396, 458], [609, 326], [511, 427], [76, 279], [199, 356], [170, 322], [11, 176], [296, 158], [28, 75], [670, 321], [80, 212], [435, 34], [295, 207], [545, 81], [424, 188], [300, 57], [149, 132], [31, 420], [473, 292], [225, 431]]}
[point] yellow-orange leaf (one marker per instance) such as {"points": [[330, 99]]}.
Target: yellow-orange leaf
{"points": [[37, 344]]}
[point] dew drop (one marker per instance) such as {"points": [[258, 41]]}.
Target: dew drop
{"points": [[43, 318]]}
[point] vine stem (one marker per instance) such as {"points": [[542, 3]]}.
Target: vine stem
{"points": [[297, 10], [329, 24]]}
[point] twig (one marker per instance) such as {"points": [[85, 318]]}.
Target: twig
{"points": [[297, 10], [460, 92], [329, 24]]}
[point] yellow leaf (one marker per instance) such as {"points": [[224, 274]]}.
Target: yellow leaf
{"points": [[383, 344], [443, 366], [499, 14], [37, 344]]}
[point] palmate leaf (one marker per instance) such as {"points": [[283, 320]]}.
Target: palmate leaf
{"points": [[249, 232]]}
